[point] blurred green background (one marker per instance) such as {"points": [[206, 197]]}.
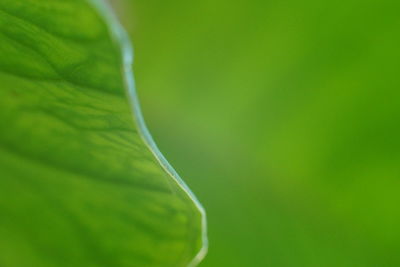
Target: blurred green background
{"points": [[284, 118]]}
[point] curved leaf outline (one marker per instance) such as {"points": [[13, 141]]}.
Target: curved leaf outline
{"points": [[121, 38]]}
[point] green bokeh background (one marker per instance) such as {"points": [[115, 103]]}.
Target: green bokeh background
{"points": [[283, 117]]}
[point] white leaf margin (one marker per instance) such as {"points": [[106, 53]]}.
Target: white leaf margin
{"points": [[120, 36]]}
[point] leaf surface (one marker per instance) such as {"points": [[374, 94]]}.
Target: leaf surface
{"points": [[81, 181]]}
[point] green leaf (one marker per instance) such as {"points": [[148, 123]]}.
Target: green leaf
{"points": [[81, 181]]}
